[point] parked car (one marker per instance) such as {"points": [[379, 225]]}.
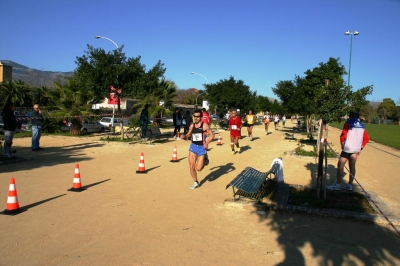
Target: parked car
{"points": [[106, 121], [214, 117], [1, 122], [169, 119], [26, 127], [91, 127]]}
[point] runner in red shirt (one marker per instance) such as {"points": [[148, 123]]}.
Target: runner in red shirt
{"points": [[205, 117], [235, 125]]}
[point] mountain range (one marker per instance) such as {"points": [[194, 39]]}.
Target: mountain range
{"points": [[35, 77]]}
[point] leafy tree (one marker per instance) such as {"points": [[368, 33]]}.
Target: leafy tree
{"points": [[97, 70], [230, 93], [321, 92], [262, 104], [387, 109], [358, 101], [368, 112], [187, 96]]}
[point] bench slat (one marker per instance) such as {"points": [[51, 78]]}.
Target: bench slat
{"points": [[249, 180]]}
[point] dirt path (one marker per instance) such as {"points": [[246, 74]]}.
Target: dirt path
{"points": [[155, 219]]}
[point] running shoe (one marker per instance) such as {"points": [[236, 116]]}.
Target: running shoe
{"points": [[238, 149], [334, 186], [348, 187], [251, 138], [206, 160], [233, 152], [194, 186]]}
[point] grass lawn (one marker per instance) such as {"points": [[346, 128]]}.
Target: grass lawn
{"points": [[388, 135]]}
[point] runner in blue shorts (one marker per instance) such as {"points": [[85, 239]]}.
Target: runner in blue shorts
{"points": [[197, 150]]}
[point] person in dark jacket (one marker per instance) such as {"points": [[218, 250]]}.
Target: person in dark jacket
{"points": [[144, 120], [10, 125], [187, 120]]}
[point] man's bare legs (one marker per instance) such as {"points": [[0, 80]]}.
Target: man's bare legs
{"points": [[196, 164], [340, 168]]}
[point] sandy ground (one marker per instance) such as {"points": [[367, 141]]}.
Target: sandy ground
{"points": [[124, 218]]}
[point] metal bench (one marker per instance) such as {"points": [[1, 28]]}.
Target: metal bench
{"points": [[289, 136], [154, 133], [253, 184]]}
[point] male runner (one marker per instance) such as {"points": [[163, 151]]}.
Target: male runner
{"points": [[250, 119], [235, 125], [197, 149]]}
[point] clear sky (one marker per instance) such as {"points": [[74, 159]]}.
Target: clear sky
{"points": [[258, 41]]}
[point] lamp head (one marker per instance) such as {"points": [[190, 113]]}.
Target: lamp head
{"points": [[347, 33], [356, 33]]}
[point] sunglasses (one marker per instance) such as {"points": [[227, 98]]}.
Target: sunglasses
{"points": [[196, 116]]}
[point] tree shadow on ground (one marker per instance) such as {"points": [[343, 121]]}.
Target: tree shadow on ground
{"points": [[50, 156], [333, 241], [330, 240], [218, 172], [330, 176]]}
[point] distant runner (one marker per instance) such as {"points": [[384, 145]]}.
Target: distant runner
{"points": [[235, 125]]}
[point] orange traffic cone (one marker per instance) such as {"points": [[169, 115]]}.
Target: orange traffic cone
{"points": [[141, 169], [219, 140], [174, 156], [76, 183], [12, 206]]}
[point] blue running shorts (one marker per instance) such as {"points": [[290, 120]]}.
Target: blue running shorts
{"points": [[199, 150]]}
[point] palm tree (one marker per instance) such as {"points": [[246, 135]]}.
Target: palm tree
{"points": [[164, 92], [15, 92], [70, 101]]}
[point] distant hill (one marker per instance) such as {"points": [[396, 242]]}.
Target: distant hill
{"points": [[35, 77]]}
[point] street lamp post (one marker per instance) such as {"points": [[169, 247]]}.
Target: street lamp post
{"points": [[206, 84], [351, 33], [102, 37]]}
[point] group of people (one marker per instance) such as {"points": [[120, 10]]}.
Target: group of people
{"points": [[10, 126], [353, 138]]}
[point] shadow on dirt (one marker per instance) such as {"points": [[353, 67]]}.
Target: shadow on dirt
{"points": [[333, 241], [50, 156], [218, 172]]}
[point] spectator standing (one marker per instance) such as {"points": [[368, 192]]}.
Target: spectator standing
{"points": [[187, 120], [353, 139], [178, 124], [10, 125], [144, 120], [36, 120]]}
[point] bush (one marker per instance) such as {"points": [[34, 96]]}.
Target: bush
{"points": [[51, 126]]}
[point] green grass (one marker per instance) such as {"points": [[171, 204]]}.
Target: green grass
{"points": [[388, 135]]}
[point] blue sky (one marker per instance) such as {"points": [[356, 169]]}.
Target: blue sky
{"points": [[258, 41]]}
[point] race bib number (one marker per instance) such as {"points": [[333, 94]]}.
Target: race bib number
{"points": [[197, 137], [234, 127]]}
